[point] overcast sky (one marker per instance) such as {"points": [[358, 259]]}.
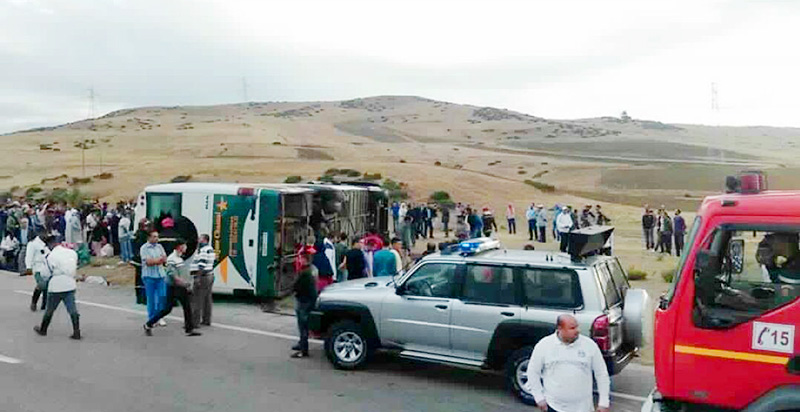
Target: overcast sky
{"points": [[556, 59]]}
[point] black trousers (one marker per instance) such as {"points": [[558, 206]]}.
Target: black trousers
{"points": [[35, 299], [184, 297], [678, 243], [564, 241]]}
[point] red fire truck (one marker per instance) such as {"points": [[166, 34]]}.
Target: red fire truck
{"points": [[726, 333]]}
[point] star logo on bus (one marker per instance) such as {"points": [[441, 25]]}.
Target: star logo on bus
{"points": [[222, 206]]}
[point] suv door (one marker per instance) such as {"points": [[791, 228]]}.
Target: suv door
{"points": [[489, 296], [419, 317]]}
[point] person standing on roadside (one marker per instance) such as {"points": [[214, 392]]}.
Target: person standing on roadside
{"points": [[564, 226], [446, 220], [125, 237], [385, 263], [511, 218], [153, 259], [355, 262], [530, 215], [565, 363], [60, 264], [202, 269], [179, 286], [648, 221], [305, 294], [36, 265], [679, 226], [541, 223], [665, 229], [340, 248]]}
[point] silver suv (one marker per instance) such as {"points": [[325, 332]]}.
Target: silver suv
{"points": [[485, 309]]}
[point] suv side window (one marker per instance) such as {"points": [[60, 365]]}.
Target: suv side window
{"points": [[432, 279], [489, 284], [551, 288], [618, 276], [613, 297]]}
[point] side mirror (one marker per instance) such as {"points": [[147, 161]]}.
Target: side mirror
{"points": [[736, 255]]}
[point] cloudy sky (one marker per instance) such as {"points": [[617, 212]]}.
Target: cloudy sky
{"points": [[559, 59]]}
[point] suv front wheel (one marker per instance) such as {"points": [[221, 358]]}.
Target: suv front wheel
{"points": [[347, 347], [517, 374]]}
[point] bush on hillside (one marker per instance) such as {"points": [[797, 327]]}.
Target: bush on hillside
{"points": [[544, 187], [372, 176], [441, 198], [668, 275], [396, 190], [293, 179], [181, 179]]}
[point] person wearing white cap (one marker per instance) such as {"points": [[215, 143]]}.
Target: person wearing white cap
{"points": [[541, 223]]}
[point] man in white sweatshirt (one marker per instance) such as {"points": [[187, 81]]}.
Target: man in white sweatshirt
{"points": [[566, 361]]}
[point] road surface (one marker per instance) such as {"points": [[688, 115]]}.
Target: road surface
{"points": [[240, 364]]}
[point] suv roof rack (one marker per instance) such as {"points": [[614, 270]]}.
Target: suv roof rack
{"points": [[589, 241]]}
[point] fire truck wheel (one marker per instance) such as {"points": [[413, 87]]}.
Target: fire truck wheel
{"points": [[517, 374], [347, 347]]}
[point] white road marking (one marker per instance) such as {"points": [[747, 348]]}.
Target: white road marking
{"points": [[180, 318], [6, 359], [244, 330]]}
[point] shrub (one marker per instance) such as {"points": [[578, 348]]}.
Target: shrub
{"points": [[521, 172], [181, 179], [332, 172], [668, 275], [32, 191], [396, 190], [372, 176], [636, 274], [293, 179], [544, 187], [325, 178], [353, 173], [402, 161], [277, 143], [104, 176], [437, 163], [441, 197], [80, 180]]}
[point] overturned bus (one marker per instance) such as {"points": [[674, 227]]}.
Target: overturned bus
{"points": [[256, 229]]}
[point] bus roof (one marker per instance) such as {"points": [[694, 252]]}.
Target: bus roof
{"points": [[223, 188]]}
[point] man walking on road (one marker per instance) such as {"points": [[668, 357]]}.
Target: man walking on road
{"points": [[203, 277], [305, 293], [61, 264], [36, 265], [566, 361], [153, 258], [179, 286]]}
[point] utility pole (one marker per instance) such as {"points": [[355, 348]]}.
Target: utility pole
{"points": [[715, 102], [83, 143], [244, 90]]}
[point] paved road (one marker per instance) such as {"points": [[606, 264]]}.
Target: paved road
{"points": [[241, 364]]}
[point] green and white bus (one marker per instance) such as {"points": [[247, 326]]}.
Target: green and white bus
{"points": [[255, 229]]}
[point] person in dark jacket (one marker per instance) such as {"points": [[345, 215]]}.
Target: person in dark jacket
{"points": [[323, 264], [665, 229], [648, 223], [446, 221], [355, 262], [679, 226], [305, 293]]}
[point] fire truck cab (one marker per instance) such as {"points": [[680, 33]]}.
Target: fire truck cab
{"points": [[726, 332]]}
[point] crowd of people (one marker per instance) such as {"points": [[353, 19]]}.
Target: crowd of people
{"points": [[659, 229], [91, 229], [413, 222]]}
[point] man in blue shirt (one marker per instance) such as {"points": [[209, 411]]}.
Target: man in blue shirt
{"points": [[153, 259]]}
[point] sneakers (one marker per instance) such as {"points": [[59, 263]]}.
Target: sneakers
{"points": [[162, 323], [40, 331], [193, 333], [299, 355], [148, 330]]}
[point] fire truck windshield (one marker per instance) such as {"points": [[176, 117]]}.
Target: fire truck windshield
{"points": [[745, 273]]}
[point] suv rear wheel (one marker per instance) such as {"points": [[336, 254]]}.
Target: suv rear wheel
{"points": [[347, 347], [517, 374]]}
